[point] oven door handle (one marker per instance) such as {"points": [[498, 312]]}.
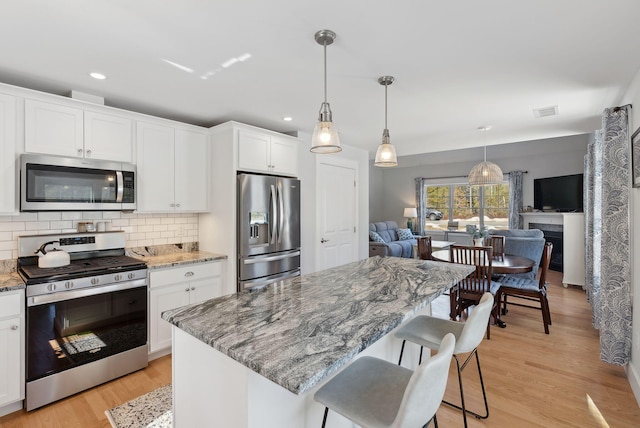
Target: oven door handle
{"points": [[84, 292]]}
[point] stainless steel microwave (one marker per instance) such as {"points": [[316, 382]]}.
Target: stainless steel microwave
{"points": [[56, 183]]}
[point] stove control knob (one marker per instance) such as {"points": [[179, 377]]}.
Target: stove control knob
{"points": [[51, 287], [95, 281], [68, 284], [118, 278], [132, 275]]}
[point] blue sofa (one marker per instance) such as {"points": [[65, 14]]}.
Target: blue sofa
{"points": [[523, 242], [391, 246]]}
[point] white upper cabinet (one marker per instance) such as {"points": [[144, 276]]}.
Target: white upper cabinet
{"points": [[8, 153], [191, 177], [67, 131], [53, 129], [172, 169], [262, 152], [108, 137]]}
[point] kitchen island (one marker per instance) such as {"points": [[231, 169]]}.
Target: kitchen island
{"points": [[255, 359]]}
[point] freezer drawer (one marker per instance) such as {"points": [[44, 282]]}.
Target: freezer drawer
{"points": [[266, 280], [270, 264]]}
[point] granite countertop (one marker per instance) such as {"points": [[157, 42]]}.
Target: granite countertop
{"points": [[301, 330], [10, 281], [177, 259]]}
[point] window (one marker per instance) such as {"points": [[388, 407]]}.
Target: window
{"points": [[464, 204]]}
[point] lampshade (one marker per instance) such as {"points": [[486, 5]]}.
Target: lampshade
{"points": [[325, 136], [410, 212], [485, 173], [386, 153]]}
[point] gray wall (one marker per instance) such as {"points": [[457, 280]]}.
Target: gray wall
{"points": [[393, 189]]}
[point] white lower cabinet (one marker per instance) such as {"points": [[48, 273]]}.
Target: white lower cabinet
{"points": [[11, 348], [174, 287]]}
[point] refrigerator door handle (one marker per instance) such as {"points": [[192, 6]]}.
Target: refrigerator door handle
{"points": [[274, 214], [270, 258], [280, 214]]}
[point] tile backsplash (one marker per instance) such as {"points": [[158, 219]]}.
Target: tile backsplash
{"points": [[140, 229]]}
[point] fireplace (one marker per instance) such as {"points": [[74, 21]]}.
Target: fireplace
{"points": [[552, 233]]}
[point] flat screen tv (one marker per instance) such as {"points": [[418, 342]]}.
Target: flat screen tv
{"points": [[561, 194]]}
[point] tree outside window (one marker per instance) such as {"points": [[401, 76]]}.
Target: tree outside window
{"points": [[466, 204]]}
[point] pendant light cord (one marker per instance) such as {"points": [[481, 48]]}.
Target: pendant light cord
{"points": [[325, 71], [385, 105]]}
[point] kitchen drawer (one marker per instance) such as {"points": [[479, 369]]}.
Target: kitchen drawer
{"points": [[193, 272], [10, 304]]}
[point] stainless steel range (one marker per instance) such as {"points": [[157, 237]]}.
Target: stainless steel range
{"points": [[86, 320]]}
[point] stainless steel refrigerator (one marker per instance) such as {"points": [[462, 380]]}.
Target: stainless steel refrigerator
{"points": [[268, 229]]}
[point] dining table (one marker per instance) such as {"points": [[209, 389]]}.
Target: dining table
{"points": [[506, 264]]}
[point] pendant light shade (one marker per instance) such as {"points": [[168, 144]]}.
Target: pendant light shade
{"points": [[325, 136], [485, 173], [386, 153]]}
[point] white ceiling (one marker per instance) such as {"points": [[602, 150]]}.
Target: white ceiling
{"points": [[458, 65]]}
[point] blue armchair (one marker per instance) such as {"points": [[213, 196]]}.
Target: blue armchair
{"points": [[523, 242]]}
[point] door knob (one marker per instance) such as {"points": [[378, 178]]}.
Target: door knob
{"points": [[322, 241]]}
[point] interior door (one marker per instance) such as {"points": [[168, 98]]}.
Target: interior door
{"points": [[337, 204]]}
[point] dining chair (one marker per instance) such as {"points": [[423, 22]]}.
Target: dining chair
{"points": [[375, 393], [424, 247], [428, 332], [468, 291], [529, 289], [497, 243]]}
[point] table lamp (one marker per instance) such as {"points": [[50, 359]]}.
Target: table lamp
{"points": [[410, 213]]}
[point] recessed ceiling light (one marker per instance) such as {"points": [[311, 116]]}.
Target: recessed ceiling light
{"points": [[287, 118], [98, 76]]}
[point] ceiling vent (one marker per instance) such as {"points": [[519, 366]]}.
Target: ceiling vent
{"points": [[545, 111]]}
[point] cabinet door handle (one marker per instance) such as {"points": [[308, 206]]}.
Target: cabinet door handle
{"points": [[14, 327], [188, 273], [172, 205], [79, 152], [88, 153], [178, 205], [186, 289], [193, 288]]}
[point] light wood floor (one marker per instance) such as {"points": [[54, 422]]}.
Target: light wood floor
{"points": [[532, 379]]}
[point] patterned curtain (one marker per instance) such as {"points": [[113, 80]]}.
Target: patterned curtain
{"points": [[420, 204], [608, 261], [515, 199]]}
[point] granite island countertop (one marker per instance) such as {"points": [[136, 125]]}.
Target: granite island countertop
{"points": [[298, 331]]}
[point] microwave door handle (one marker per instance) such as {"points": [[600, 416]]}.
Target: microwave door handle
{"points": [[273, 221], [120, 186]]}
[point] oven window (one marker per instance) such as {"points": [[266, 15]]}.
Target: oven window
{"points": [[70, 333], [47, 183]]}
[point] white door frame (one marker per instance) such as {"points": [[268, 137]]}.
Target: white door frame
{"points": [[343, 163]]}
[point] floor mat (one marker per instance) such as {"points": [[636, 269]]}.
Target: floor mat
{"points": [[151, 410]]}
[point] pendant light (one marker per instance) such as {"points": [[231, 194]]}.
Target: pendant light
{"points": [[325, 136], [386, 153], [485, 173]]}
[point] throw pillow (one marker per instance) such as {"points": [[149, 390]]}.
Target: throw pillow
{"points": [[375, 237], [404, 234]]}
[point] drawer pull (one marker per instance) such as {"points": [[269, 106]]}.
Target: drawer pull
{"points": [[188, 273], [14, 327]]}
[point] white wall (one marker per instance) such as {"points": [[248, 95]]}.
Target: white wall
{"points": [[633, 368], [395, 190]]}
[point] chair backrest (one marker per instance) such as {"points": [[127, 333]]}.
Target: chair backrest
{"points": [[497, 243], [452, 225], [425, 389], [544, 265], [475, 326], [478, 281], [424, 247]]}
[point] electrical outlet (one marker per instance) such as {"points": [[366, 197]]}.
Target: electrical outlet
{"points": [[180, 231]]}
